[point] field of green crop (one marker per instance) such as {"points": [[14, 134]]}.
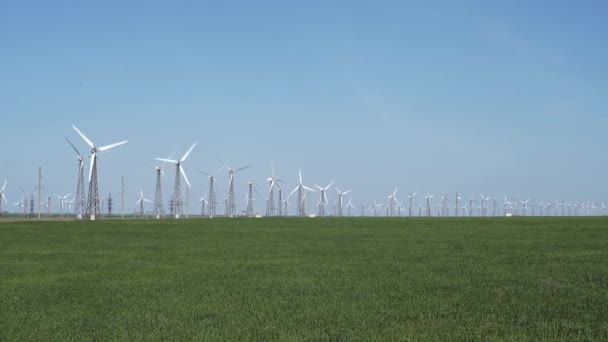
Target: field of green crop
{"points": [[305, 279]]}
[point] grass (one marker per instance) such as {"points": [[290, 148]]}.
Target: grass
{"points": [[305, 279]]}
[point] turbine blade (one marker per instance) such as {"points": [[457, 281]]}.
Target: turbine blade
{"points": [[111, 146], [187, 153], [84, 137], [300, 173], [4, 186], [346, 192], [242, 168], [74, 147], [93, 157], [220, 169], [181, 170], [307, 188], [167, 160], [293, 191]]}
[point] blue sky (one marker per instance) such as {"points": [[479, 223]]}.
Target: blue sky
{"points": [[441, 96]]}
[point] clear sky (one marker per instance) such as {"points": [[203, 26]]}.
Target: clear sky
{"points": [[498, 97]]}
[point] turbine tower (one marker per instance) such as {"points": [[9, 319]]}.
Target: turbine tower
{"points": [[80, 205], [212, 194], [456, 208], [340, 202], [177, 191], [323, 199], [159, 208], [280, 200], [93, 200], [301, 195], [249, 209], [231, 199]]}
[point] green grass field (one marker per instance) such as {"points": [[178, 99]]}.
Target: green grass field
{"points": [[305, 279]]}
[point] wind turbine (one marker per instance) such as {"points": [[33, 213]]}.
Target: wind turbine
{"points": [[2, 197], [62, 200], [471, 201], [444, 205], [349, 205], [177, 191], [456, 208], [375, 207], [93, 200], [70, 204], [212, 193], [300, 189], [80, 201], [203, 201], [141, 201], [340, 202], [231, 197], [323, 198], [428, 198], [411, 197], [250, 211], [525, 207], [272, 183], [484, 200], [392, 199]]}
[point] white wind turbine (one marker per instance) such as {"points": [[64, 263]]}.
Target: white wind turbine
{"points": [[231, 197], [93, 200], [411, 197], [525, 207], [212, 201], [203, 201], [484, 200], [2, 197], [177, 191], [428, 198], [350, 205], [444, 210], [70, 205], [323, 198], [301, 196], [375, 207], [340, 202], [392, 200], [62, 200], [270, 202], [141, 201]]}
